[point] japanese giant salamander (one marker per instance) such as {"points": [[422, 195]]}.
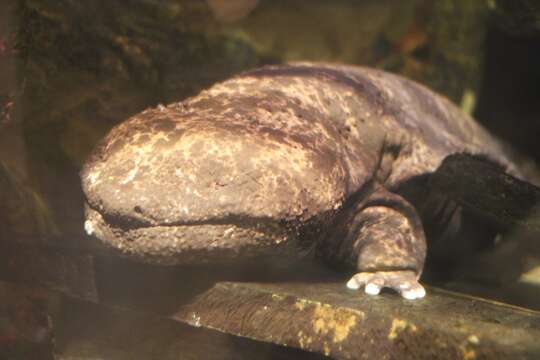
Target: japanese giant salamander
{"points": [[278, 160]]}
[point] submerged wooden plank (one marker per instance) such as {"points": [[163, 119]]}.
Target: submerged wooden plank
{"points": [[328, 319], [318, 316]]}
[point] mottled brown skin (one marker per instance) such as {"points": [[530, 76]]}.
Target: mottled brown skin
{"points": [[276, 160]]}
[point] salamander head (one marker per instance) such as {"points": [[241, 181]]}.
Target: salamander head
{"points": [[174, 187]]}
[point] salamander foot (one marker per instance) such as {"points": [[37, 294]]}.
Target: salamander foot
{"points": [[405, 282]]}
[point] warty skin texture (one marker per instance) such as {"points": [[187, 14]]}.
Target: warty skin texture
{"points": [[275, 161]]}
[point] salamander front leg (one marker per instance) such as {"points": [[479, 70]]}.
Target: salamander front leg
{"points": [[385, 242]]}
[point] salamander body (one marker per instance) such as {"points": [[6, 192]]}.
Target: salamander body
{"points": [[276, 161]]}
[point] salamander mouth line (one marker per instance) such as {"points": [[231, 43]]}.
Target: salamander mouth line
{"points": [[239, 221]]}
